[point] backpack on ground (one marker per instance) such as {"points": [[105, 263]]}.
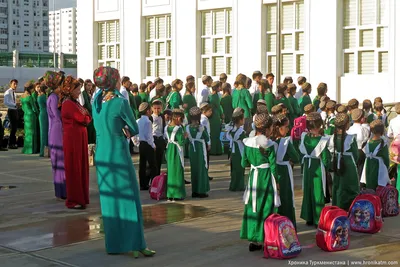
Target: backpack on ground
{"points": [[281, 241], [299, 127], [390, 200], [333, 229], [157, 189], [365, 214]]}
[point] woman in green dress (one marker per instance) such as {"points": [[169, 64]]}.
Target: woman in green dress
{"points": [[262, 193], [330, 118], [189, 100], [215, 120], [281, 99], [241, 98], [345, 155], [142, 93], [116, 176], [322, 89], [226, 102], [88, 85], [31, 145], [43, 119], [316, 160], [174, 98], [286, 155], [198, 139], [305, 98], [35, 95], [291, 91], [265, 94], [236, 135]]}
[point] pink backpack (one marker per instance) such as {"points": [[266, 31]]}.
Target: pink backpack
{"points": [[281, 241], [389, 197], [365, 214], [157, 189], [299, 127], [394, 150]]}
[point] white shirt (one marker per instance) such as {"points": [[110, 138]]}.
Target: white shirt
{"points": [[146, 131], [394, 127], [254, 89], [203, 96], [124, 93], [361, 132], [81, 100], [94, 94], [157, 126], [299, 93], [206, 124], [9, 100], [323, 115], [152, 93]]}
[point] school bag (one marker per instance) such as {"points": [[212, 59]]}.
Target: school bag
{"points": [[333, 229], [280, 241], [365, 214], [157, 188], [299, 127], [394, 150], [390, 201]]}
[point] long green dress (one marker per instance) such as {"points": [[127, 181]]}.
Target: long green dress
{"points": [[241, 98], [198, 139], [174, 100], [116, 176], [175, 162], [44, 123], [285, 154], [226, 103], [316, 102], [35, 96], [296, 109], [304, 101], [371, 168], [346, 185], [314, 151], [215, 124], [30, 125], [190, 102], [236, 136], [90, 128], [330, 125], [134, 107], [144, 97]]}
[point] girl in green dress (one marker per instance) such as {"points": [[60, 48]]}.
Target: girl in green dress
{"points": [[380, 115], [175, 136], [264, 94], [241, 98], [305, 98], [375, 172], [329, 123], [142, 93], [316, 160], [235, 135], [215, 120], [174, 98], [189, 100], [286, 155], [367, 107], [43, 119], [262, 193], [322, 89], [160, 93], [291, 91], [30, 120], [198, 139], [345, 155], [226, 102], [281, 98]]}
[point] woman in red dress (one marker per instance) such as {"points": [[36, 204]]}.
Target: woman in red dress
{"points": [[75, 118]]}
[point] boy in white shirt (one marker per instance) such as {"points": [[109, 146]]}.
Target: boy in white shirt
{"points": [[205, 92], [206, 111], [394, 125], [254, 89]]}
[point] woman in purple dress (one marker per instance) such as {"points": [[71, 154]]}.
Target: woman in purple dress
{"points": [[54, 80]]}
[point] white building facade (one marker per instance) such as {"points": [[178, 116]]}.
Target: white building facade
{"points": [[64, 31], [352, 45], [24, 25]]}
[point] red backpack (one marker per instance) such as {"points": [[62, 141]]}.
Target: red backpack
{"points": [[281, 241], [299, 127], [390, 201], [365, 214], [333, 229], [157, 189]]}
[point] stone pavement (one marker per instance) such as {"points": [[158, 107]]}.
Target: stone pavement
{"points": [[36, 230]]}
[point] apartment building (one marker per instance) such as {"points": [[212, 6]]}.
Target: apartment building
{"points": [[63, 30]]}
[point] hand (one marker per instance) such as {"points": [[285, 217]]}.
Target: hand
{"points": [[127, 133], [208, 147], [278, 188]]}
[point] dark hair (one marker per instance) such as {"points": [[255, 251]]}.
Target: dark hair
{"points": [[248, 82], [343, 128], [43, 88], [278, 121], [176, 82], [215, 86], [226, 88], [28, 86], [167, 112], [256, 74], [148, 83], [125, 79], [322, 89], [195, 118], [265, 87], [314, 124], [241, 79], [288, 80], [269, 75], [14, 80], [142, 87], [306, 87], [367, 105], [235, 84], [236, 119], [292, 89], [281, 88], [189, 86], [268, 125], [378, 129]]}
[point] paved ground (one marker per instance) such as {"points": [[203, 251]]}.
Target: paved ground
{"points": [[36, 230]]}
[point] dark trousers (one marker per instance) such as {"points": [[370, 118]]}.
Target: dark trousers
{"points": [[13, 117], [146, 153], [160, 150], [1, 133], [360, 163]]}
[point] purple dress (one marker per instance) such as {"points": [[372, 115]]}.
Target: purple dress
{"points": [[56, 146]]}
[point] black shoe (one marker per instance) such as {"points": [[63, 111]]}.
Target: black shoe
{"points": [[210, 178], [144, 188], [187, 182], [254, 247], [13, 147], [195, 195], [203, 196], [309, 223]]}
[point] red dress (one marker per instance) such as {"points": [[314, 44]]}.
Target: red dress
{"points": [[75, 118]]}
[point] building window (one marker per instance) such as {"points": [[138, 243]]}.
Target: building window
{"points": [[292, 38], [26, 43], [109, 44], [365, 36], [216, 42], [158, 46], [26, 33]]}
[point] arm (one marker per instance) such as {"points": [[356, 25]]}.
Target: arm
{"points": [[70, 110], [127, 116], [34, 105], [293, 155], [180, 136], [206, 137], [174, 101], [8, 102], [245, 162], [149, 134]]}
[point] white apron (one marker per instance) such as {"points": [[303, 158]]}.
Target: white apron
{"points": [[383, 174], [198, 139], [280, 154], [171, 140], [235, 139]]}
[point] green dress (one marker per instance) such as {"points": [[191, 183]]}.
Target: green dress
{"points": [[304, 101], [90, 128], [215, 124], [35, 96], [198, 139], [286, 153], [120, 204], [174, 100], [296, 109], [316, 102], [371, 176], [286, 102], [30, 125], [330, 125], [241, 98], [190, 102], [346, 185], [133, 105], [265, 200], [175, 162], [236, 137], [371, 117], [316, 160], [144, 97], [226, 103], [269, 99], [43, 122]]}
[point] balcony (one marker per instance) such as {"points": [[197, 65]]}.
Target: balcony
{"points": [[3, 46], [3, 4], [3, 26], [3, 36], [3, 15]]}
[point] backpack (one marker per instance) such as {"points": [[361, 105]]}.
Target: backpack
{"points": [[394, 150], [299, 127], [389, 198], [365, 214], [281, 241], [333, 229], [158, 185]]}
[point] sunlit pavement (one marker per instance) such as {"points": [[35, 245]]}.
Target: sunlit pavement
{"points": [[37, 230]]}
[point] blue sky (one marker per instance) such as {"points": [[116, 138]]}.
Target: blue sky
{"points": [[62, 3]]}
